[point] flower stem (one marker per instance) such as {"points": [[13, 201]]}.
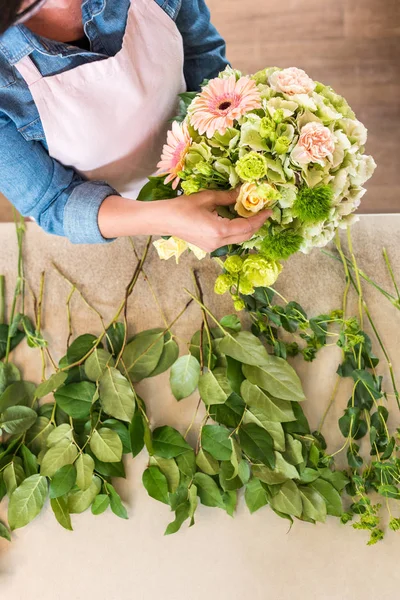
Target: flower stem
{"points": [[391, 273]]}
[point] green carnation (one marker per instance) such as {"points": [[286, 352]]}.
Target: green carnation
{"points": [[260, 271], [233, 264], [190, 186], [282, 144], [239, 305], [246, 287], [223, 283], [313, 205], [282, 244], [252, 167]]}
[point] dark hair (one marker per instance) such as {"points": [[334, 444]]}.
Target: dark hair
{"points": [[8, 13]]}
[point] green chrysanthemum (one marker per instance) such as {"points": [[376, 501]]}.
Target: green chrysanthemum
{"points": [[252, 167], [233, 264], [282, 244], [313, 205]]}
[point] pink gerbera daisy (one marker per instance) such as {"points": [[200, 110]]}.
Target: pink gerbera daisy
{"points": [[174, 153], [222, 102]]}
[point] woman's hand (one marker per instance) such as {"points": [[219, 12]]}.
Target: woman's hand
{"points": [[193, 219]]}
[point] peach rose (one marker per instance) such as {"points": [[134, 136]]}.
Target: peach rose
{"points": [[291, 81], [254, 197], [316, 143]]}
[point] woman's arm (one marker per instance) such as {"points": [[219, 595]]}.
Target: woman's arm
{"points": [[192, 218]]}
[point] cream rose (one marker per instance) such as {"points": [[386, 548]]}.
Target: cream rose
{"points": [[254, 197], [316, 143], [174, 247], [291, 81]]}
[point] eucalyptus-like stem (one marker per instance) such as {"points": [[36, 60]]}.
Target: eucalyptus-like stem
{"points": [[391, 273], [330, 403], [209, 313], [347, 274], [205, 324], [69, 315], [2, 299], [75, 288], [39, 322], [19, 286], [359, 288]]}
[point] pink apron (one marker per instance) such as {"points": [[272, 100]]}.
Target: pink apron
{"points": [[108, 119]]}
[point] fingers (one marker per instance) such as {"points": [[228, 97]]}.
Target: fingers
{"points": [[222, 198], [245, 228]]}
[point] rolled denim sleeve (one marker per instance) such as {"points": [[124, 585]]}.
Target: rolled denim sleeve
{"points": [[204, 47], [57, 197]]}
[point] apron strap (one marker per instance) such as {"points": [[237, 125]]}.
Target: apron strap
{"points": [[28, 70]]}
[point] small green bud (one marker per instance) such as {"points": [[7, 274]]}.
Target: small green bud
{"points": [[282, 144], [223, 283], [204, 169], [190, 186], [239, 305], [278, 116]]}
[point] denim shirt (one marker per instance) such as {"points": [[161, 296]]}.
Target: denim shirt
{"points": [[61, 200]]}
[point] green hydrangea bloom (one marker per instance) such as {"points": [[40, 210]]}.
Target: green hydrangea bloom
{"points": [[252, 167], [282, 144], [223, 284], [260, 271], [233, 264], [246, 287], [313, 205]]}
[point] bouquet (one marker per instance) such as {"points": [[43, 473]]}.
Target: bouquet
{"points": [[291, 144]]}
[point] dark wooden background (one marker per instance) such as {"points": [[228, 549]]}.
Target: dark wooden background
{"points": [[352, 45]]}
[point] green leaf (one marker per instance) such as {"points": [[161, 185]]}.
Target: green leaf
{"points": [[246, 348], [27, 501], [80, 347], [255, 495], [182, 513], [122, 431], [193, 502], [288, 500], [257, 443], [60, 433], [234, 374], [278, 378], [294, 450], [63, 453], [216, 441], [207, 463], [9, 374], [230, 413], [142, 355], [264, 407], [15, 340], [97, 363], [37, 435], [100, 504], [4, 532], [17, 419], [208, 491], [136, 432], [314, 506], [76, 399], [106, 445], [184, 376], [51, 384], [169, 469], [156, 484], [60, 510], [115, 502], [281, 472], [210, 389], [84, 471], [187, 463], [18, 393], [230, 501], [116, 395], [62, 481], [29, 460], [300, 425], [168, 357], [115, 338], [231, 322], [13, 475], [331, 496], [338, 479], [79, 501], [168, 442], [275, 429]]}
